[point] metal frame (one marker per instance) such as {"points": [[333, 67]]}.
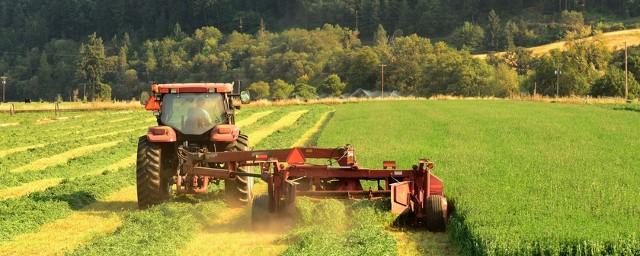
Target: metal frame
{"points": [[288, 174]]}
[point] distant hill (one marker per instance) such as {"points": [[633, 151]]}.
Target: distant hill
{"points": [[613, 40]]}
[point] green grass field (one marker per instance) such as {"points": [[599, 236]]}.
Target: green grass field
{"points": [[526, 178]]}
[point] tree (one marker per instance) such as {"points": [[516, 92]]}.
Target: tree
{"points": [[510, 32], [613, 82], [467, 36], [92, 63], [104, 92], [495, 30], [334, 85], [381, 37], [259, 90], [303, 89], [281, 90], [505, 81]]}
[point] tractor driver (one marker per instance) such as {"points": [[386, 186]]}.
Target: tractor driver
{"points": [[198, 115]]}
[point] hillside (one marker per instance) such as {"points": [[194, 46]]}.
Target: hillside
{"points": [[613, 40]]}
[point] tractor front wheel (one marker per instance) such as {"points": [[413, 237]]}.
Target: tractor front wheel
{"points": [[436, 209], [152, 181]]}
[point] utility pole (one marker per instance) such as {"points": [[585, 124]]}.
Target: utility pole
{"points": [[558, 72], [240, 25], [382, 79], [4, 84], [626, 72], [535, 89]]}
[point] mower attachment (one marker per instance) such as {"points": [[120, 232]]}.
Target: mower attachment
{"points": [[417, 192]]}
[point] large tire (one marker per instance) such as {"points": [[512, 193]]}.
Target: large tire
{"points": [[260, 215], [238, 190], [436, 209], [153, 184]]}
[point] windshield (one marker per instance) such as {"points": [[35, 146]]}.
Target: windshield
{"points": [[192, 113]]}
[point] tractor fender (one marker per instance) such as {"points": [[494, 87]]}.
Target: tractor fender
{"points": [[225, 133], [161, 134]]}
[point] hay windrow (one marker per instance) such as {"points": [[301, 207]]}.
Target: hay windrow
{"points": [[6, 152], [55, 238], [287, 120], [28, 188], [306, 138], [252, 118], [64, 157]]}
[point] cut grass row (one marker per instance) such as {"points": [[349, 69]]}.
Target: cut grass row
{"points": [[83, 220], [133, 236], [26, 214], [79, 166], [234, 235], [41, 158], [334, 227]]}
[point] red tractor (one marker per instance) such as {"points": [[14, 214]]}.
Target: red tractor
{"points": [[193, 117], [196, 143]]}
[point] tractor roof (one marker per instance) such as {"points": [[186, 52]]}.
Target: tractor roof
{"points": [[193, 88]]}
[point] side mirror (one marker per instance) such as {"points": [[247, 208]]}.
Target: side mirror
{"points": [[245, 98]]}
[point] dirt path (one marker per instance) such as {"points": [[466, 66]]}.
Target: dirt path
{"points": [[97, 219]]}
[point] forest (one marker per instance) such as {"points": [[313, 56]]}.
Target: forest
{"points": [[69, 50]]}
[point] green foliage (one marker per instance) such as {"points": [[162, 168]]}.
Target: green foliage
{"points": [[104, 92], [612, 84], [305, 91], [334, 85], [259, 90], [505, 82], [281, 90], [468, 36], [92, 64]]}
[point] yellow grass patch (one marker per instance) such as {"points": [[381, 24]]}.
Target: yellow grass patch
{"points": [[306, 137], [612, 40], [64, 157], [410, 242], [112, 133], [252, 118], [6, 152], [9, 124], [121, 119], [28, 188], [232, 234], [60, 236], [285, 121]]}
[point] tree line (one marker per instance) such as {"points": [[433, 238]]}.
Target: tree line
{"points": [[327, 61]]}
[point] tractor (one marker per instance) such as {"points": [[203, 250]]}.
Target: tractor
{"points": [[192, 117], [196, 143]]}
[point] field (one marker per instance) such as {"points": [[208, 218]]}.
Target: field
{"points": [[525, 178], [613, 40]]}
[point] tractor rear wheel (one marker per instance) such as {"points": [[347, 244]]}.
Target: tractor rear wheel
{"points": [[436, 209], [152, 180], [238, 190]]}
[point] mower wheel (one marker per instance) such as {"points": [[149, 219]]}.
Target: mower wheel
{"points": [[153, 185], [239, 189], [436, 210], [260, 215]]}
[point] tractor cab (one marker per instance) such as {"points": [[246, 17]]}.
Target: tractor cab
{"points": [[193, 111]]}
